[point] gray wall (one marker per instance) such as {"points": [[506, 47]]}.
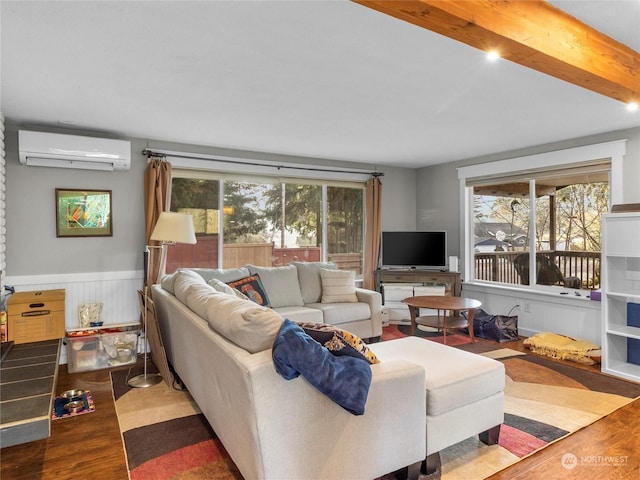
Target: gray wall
{"points": [[32, 246], [424, 199], [438, 191], [33, 249], [437, 204], [398, 198]]}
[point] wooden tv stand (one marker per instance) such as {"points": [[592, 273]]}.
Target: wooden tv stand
{"points": [[452, 281]]}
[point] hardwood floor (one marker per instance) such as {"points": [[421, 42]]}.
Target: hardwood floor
{"points": [[90, 445], [606, 449], [84, 446]]}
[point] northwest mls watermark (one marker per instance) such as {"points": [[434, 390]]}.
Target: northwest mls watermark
{"points": [[570, 461]]}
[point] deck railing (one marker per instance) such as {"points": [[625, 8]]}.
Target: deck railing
{"points": [[499, 266]]}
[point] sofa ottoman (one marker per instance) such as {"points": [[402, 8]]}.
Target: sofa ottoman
{"points": [[464, 391]]}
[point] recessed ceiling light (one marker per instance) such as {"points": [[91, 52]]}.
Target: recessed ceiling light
{"points": [[632, 107], [493, 55]]}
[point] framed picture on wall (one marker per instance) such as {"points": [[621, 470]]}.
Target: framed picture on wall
{"points": [[83, 213]]}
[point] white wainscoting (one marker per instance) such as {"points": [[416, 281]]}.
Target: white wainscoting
{"points": [[565, 314], [118, 292]]}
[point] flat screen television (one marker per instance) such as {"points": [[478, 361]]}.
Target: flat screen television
{"points": [[427, 250]]}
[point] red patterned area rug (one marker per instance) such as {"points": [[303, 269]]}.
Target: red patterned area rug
{"points": [[167, 438], [165, 435], [545, 401]]}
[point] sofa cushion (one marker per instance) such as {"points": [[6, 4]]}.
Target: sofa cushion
{"points": [[225, 275], [182, 280], [252, 287], [338, 313], [246, 324], [309, 279], [301, 314], [281, 284], [344, 379], [338, 341], [198, 298], [222, 287], [338, 286], [167, 283]]}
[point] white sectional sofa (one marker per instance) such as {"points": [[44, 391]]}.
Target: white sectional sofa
{"points": [[423, 396], [295, 292], [277, 429]]}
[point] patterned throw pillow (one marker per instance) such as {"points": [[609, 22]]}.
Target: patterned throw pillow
{"points": [[338, 341], [252, 288]]}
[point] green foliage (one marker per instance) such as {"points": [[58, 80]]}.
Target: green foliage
{"points": [[254, 211], [345, 219], [247, 222], [194, 193], [302, 212]]}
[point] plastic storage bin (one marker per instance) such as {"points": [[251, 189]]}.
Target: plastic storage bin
{"points": [[101, 348]]}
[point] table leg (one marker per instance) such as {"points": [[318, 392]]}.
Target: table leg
{"points": [[412, 312], [470, 314], [444, 326]]}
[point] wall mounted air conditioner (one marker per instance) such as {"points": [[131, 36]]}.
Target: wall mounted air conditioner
{"points": [[42, 149]]}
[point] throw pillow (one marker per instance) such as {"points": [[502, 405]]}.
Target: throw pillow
{"points": [[338, 341], [222, 287], [345, 380], [338, 286], [252, 287]]}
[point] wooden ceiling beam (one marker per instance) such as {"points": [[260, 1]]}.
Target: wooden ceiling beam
{"points": [[532, 33]]}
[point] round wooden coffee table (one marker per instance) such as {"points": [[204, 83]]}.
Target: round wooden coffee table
{"points": [[443, 320]]}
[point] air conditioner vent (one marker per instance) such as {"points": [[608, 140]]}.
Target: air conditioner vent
{"points": [[43, 149]]}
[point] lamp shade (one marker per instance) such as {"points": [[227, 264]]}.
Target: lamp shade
{"points": [[174, 228]]}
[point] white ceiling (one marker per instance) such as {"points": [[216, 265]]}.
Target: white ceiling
{"points": [[326, 79]]}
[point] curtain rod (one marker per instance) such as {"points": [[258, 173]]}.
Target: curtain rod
{"points": [[152, 153]]}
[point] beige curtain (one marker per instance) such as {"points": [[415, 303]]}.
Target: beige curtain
{"points": [[372, 244], [157, 188]]}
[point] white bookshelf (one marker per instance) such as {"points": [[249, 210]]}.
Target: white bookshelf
{"points": [[620, 286]]}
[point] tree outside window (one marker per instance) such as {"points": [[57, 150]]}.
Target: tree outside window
{"points": [[566, 237]]}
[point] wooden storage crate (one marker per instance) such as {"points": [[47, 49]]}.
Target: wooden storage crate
{"points": [[36, 316]]}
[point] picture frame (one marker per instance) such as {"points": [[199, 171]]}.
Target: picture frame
{"points": [[83, 213]]}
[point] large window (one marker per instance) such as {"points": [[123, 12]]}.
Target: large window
{"points": [[268, 222], [562, 227], [535, 221]]}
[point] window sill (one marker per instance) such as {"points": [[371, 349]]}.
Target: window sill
{"points": [[553, 294]]}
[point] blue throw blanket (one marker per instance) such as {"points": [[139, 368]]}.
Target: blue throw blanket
{"points": [[344, 379]]}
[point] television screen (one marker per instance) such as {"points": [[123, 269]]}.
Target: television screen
{"points": [[414, 249]]}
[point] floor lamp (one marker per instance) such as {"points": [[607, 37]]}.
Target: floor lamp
{"points": [[171, 228]]}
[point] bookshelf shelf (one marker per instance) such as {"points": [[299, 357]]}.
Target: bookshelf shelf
{"points": [[621, 295]]}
